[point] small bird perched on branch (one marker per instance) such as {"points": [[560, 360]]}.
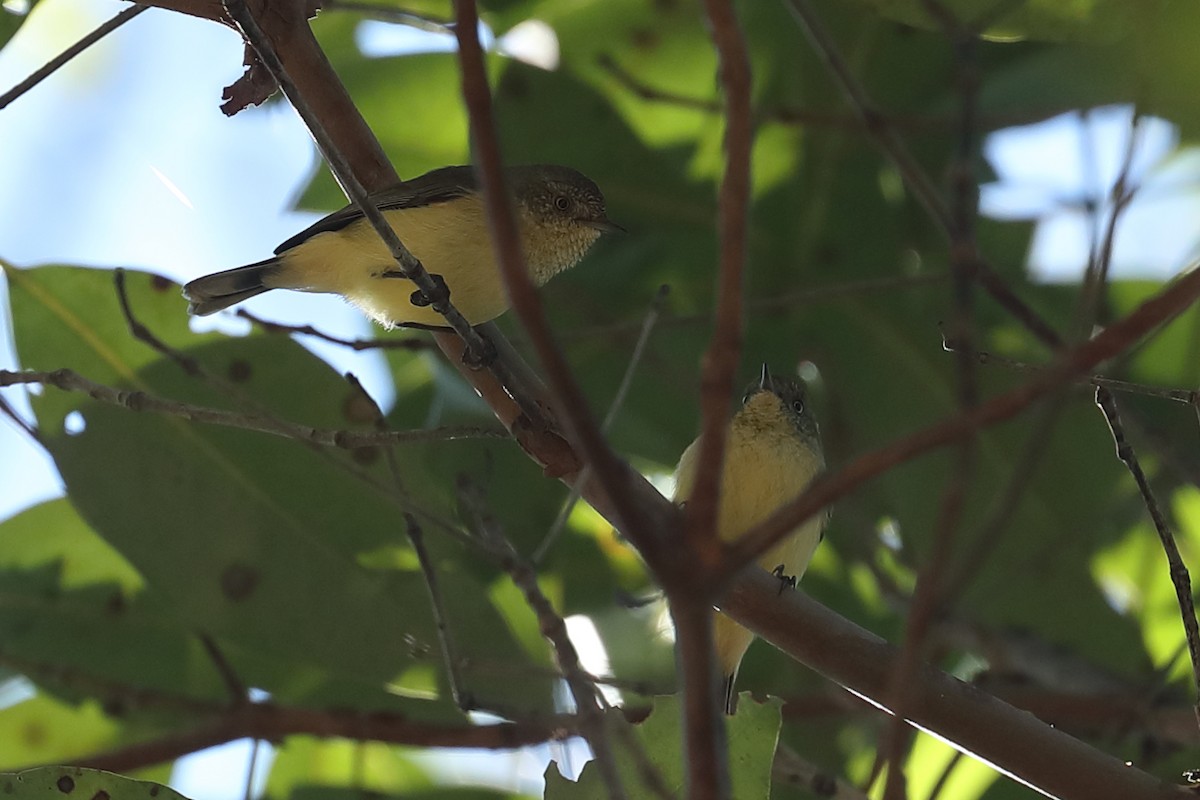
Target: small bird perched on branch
{"points": [[440, 217], [772, 453]]}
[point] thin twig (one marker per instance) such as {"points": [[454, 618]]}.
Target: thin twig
{"points": [[255, 748], [914, 177], [1178, 571], [463, 699], [614, 408], [71, 381], [1163, 307], [60, 60], [22, 424], [143, 334], [876, 124], [410, 343], [944, 778], [1095, 277], [385, 13], [1189, 397], [810, 117], [1007, 500], [588, 701], [788, 301], [238, 694], [416, 538]]}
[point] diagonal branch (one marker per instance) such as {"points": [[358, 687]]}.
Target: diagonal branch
{"points": [[1178, 570], [1161, 308], [973, 721], [63, 58], [70, 381], [885, 136], [637, 508]]}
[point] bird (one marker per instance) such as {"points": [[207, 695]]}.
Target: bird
{"points": [[772, 453], [441, 218]]}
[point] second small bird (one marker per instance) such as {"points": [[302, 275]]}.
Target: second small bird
{"points": [[772, 453], [440, 217]]}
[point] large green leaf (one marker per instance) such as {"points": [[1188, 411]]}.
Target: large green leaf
{"points": [[260, 541]]}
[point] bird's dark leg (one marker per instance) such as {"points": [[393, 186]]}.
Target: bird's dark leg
{"points": [[788, 581], [480, 360], [419, 298], [441, 294]]}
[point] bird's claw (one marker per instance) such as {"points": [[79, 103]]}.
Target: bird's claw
{"points": [[480, 360], [785, 581], [420, 299]]}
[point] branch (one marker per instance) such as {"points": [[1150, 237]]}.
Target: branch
{"points": [[972, 721], [724, 350], [410, 267], [273, 723], [636, 508], [820, 118], [706, 748], [880, 129], [71, 381], [1161, 308], [411, 343], [588, 700], [61, 60], [614, 408], [1178, 571]]}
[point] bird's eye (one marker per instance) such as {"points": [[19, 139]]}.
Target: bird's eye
{"points": [[562, 202], [798, 406]]}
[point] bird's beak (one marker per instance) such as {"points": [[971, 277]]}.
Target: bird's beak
{"points": [[605, 225], [764, 380]]}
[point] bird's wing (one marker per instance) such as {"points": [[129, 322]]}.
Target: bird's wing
{"points": [[437, 186]]}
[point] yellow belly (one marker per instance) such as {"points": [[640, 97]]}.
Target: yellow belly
{"points": [[450, 239], [761, 473]]}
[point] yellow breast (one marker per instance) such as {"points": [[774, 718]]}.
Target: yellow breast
{"points": [[450, 239]]}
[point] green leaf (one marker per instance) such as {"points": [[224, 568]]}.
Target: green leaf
{"points": [[45, 730], [12, 20], [752, 735], [53, 783], [253, 539]]}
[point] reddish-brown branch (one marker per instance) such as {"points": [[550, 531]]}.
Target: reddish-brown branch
{"points": [[705, 746], [638, 509], [707, 766], [971, 720], [274, 723], [1114, 339], [724, 350]]}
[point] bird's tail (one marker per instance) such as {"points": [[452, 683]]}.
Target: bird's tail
{"points": [[218, 291]]}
